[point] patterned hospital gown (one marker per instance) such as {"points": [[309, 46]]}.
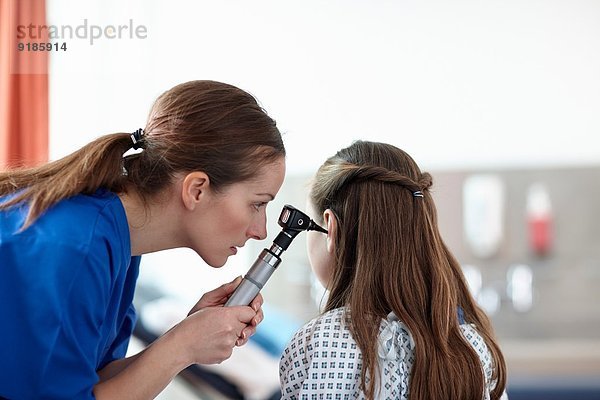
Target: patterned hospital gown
{"points": [[322, 360]]}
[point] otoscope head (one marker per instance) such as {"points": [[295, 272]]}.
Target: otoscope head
{"points": [[293, 219]]}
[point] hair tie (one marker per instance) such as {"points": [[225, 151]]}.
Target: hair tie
{"points": [[137, 138], [418, 193]]}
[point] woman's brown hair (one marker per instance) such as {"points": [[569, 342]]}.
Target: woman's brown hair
{"points": [[389, 256], [195, 126]]}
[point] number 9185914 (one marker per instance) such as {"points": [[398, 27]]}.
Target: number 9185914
{"points": [[34, 46]]}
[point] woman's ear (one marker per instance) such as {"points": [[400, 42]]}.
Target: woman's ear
{"points": [[194, 189], [331, 224]]}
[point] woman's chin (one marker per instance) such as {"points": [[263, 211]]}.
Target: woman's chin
{"points": [[216, 262]]}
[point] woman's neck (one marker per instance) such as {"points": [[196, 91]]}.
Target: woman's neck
{"points": [[152, 225]]}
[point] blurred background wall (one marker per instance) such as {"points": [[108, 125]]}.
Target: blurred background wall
{"points": [[498, 99]]}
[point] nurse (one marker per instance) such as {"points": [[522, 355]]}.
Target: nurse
{"points": [[72, 233]]}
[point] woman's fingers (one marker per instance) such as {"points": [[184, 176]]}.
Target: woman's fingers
{"points": [[229, 287], [245, 336], [250, 329], [218, 296], [257, 302], [257, 318], [210, 334]]}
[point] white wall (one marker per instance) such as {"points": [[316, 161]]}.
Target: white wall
{"points": [[461, 83], [455, 83]]}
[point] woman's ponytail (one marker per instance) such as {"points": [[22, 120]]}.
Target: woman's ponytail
{"points": [[99, 164]]}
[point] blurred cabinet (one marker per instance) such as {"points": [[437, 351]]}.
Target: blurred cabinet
{"points": [[555, 344]]}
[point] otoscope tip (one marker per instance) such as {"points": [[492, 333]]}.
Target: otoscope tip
{"points": [[312, 226]]}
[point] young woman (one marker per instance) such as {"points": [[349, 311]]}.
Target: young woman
{"points": [[72, 231], [399, 322]]}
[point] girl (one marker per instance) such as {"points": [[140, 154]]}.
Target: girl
{"points": [[399, 322]]}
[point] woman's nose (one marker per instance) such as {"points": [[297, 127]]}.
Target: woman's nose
{"points": [[258, 229]]}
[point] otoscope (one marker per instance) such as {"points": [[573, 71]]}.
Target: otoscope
{"points": [[293, 221]]}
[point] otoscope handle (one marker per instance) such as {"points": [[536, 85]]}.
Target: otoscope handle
{"points": [[255, 279]]}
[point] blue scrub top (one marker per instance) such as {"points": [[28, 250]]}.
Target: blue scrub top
{"points": [[66, 291]]}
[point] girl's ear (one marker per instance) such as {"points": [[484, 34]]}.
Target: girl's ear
{"points": [[331, 224], [194, 189]]}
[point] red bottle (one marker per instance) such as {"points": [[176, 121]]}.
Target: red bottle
{"points": [[539, 219]]}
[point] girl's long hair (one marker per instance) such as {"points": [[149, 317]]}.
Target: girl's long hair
{"points": [[195, 126], [390, 257]]}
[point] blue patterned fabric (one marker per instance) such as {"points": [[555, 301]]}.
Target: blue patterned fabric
{"points": [[322, 360]]}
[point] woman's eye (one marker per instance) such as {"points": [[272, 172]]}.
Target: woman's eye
{"points": [[258, 206]]}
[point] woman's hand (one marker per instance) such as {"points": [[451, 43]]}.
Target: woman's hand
{"points": [[219, 296], [205, 337], [208, 336]]}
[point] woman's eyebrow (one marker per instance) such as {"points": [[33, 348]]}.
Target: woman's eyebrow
{"points": [[266, 194]]}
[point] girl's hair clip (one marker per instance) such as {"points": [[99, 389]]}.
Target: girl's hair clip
{"points": [[418, 193]]}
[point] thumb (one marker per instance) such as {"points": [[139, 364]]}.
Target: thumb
{"points": [[230, 287]]}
